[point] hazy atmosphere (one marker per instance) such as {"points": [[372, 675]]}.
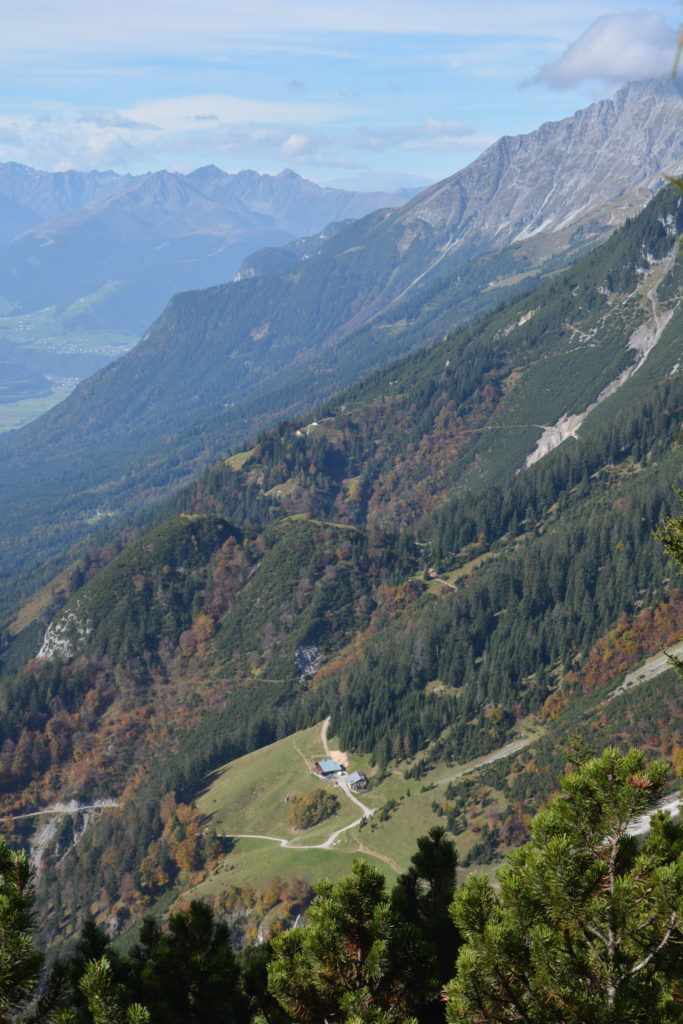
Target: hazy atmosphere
{"points": [[371, 94]]}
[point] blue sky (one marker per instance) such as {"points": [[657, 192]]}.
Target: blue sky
{"points": [[370, 92]]}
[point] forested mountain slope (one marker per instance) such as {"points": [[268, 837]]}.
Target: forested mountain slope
{"points": [[219, 364], [401, 563]]}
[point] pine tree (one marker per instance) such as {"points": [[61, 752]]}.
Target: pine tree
{"points": [[586, 928], [20, 961], [106, 1001], [356, 961], [422, 896], [189, 974]]}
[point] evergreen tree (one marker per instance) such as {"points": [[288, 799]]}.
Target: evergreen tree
{"points": [[189, 974], [356, 961], [20, 961], [106, 1001], [93, 946], [586, 927], [423, 896]]}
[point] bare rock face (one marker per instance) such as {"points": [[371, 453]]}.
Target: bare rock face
{"points": [[585, 174], [64, 636], [307, 660]]}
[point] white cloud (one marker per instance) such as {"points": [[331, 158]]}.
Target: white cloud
{"points": [[163, 132], [175, 113], [50, 143], [112, 119], [163, 25], [431, 134], [280, 144], [615, 48], [296, 145], [63, 138]]}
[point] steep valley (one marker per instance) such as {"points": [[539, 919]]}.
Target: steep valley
{"points": [[395, 560], [220, 365]]}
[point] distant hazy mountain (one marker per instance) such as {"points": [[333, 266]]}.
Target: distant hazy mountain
{"points": [[220, 363], [40, 195], [87, 261], [295, 204], [92, 230]]}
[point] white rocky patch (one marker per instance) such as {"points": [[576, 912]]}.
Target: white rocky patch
{"points": [[64, 637], [307, 660], [40, 842], [523, 319], [642, 825], [669, 225], [642, 341]]}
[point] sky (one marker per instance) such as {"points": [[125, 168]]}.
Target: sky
{"points": [[358, 93]]}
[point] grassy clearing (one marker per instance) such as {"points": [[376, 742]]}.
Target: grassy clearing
{"points": [[255, 862], [395, 838], [465, 570], [237, 460], [41, 600], [250, 795]]}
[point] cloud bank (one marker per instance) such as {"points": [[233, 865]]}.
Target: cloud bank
{"points": [[615, 48], [160, 25], [173, 131]]}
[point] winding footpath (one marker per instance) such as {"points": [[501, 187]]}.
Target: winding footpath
{"points": [[45, 833], [342, 783]]}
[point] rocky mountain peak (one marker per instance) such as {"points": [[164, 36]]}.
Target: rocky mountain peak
{"points": [[585, 173]]}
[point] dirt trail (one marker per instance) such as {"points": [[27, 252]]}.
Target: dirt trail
{"points": [[480, 762], [45, 832], [654, 666], [342, 784], [291, 844], [326, 844], [650, 668], [303, 756], [340, 756], [381, 856], [71, 807], [324, 727]]}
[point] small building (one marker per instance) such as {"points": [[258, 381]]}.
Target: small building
{"points": [[328, 769], [357, 781]]}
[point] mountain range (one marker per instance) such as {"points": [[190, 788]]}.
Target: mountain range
{"points": [[219, 364], [87, 260], [454, 559]]}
